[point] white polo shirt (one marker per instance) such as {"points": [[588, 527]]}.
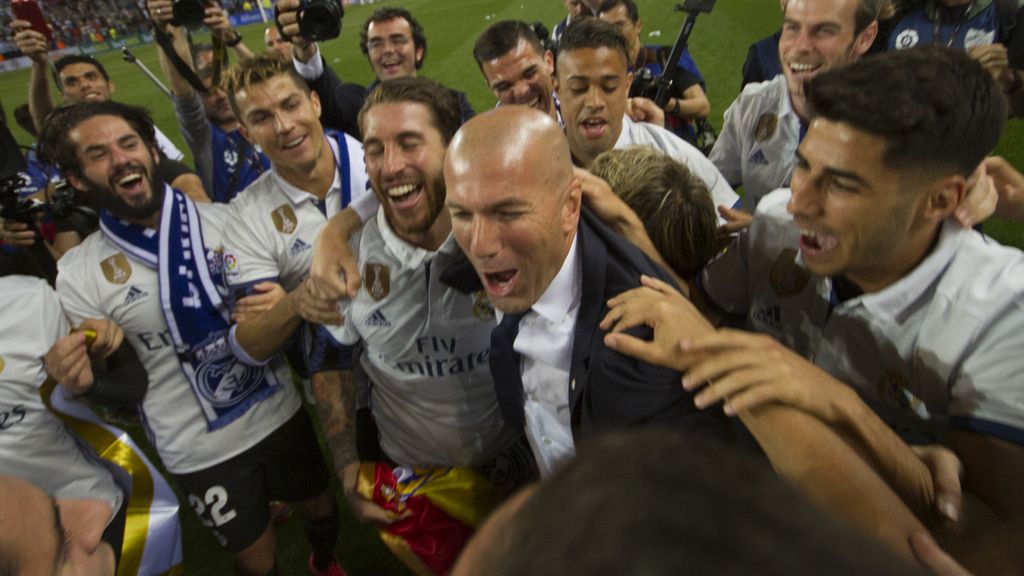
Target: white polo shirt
{"points": [[940, 346], [97, 280], [274, 226], [425, 349], [758, 142], [645, 133], [34, 444]]}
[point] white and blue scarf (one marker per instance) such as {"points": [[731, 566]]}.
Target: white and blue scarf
{"points": [[193, 306]]}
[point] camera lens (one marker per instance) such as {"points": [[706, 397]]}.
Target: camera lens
{"points": [[189, 13], [321, 19]]}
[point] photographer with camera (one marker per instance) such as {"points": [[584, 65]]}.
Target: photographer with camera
{"points": [[301, 23], [687, 103], [225, 161]]}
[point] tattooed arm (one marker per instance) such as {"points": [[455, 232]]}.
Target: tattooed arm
{"points": [[335, 393]]}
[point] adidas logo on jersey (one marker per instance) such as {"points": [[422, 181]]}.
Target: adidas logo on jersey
{"points": [[298, 247], [377, 320], [134, 295]]}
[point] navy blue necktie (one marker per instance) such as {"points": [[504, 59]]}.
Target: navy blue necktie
{"points": [[504, 361]]}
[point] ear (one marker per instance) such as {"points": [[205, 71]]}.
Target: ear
{"points": [[639, 27], [419, 56], [549, 61], [113, 87], [944, 196], [315, 98], [154, 151], [629, 81], [864, 40], [77, 183], [571, 206]]}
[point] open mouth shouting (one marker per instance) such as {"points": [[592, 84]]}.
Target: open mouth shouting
{"points": [[593, 128], [814, 244], [130, 181], [501, 283]]}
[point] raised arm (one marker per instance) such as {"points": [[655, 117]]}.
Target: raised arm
{"points": [[34, 45]]}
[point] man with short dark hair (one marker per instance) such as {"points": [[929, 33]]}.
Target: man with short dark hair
{"points": [[79, 78], [516, 66], [592, 80], [396, 45], [876, 313], [687, 101]]}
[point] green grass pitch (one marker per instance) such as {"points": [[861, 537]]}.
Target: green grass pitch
{"points": [[719, 44]]}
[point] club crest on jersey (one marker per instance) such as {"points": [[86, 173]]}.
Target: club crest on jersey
{"points": [[482, 307], [377, 280], [907, 39], [116, 269], [222, 379], [284, 219], [766, 126], [979, 37], [788, 278]]}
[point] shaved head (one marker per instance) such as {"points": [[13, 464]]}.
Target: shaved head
{"points": [[514, 202]]}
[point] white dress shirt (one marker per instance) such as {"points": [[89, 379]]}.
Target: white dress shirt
{"points": [[545, 344]]}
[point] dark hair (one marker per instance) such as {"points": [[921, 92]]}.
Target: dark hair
{"points": [[609, 5], [673, 203], [65, 61], [937, 108], [593, 33], [55, 146], [419, 38], [653, 502], [501, 38], [258, 70], [442, 102]]}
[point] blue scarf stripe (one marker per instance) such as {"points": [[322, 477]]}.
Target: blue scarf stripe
{"points": [[194, 311]]}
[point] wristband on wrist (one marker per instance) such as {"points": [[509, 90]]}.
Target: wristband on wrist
{"points": [[234, 41]]}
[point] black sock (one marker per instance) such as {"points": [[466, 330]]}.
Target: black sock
{"points": [[323, 536]]}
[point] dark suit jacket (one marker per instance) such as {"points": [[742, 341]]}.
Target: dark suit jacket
{"points": [[340, 102], [608, 390]]}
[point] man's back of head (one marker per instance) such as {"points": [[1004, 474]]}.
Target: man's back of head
{"points": [[654, 503]]}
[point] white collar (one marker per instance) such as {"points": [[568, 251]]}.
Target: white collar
{"points": [[896, 298], [409, 255], [563, 294]]}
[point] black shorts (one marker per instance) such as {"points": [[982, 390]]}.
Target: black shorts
{"points": [[232, 499]]}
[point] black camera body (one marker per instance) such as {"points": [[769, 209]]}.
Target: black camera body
{"points": [[189, 13], [645, 84], [318, 20]]}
